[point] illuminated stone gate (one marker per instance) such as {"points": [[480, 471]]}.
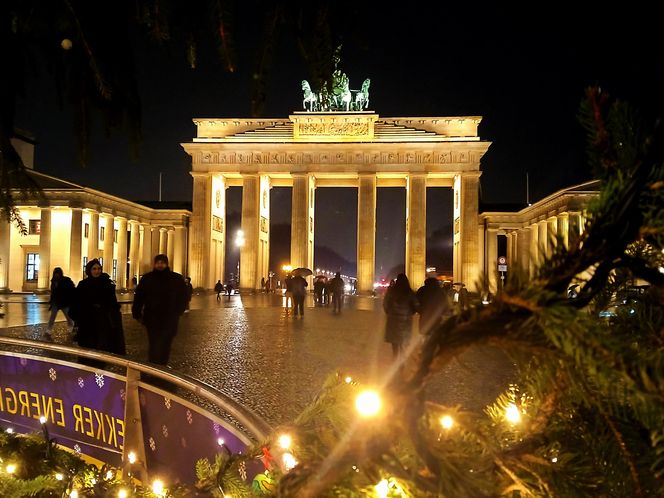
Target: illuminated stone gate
{"points": [[311, 150]]}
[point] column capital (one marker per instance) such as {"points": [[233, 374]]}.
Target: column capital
{"points": [[197, 174]]}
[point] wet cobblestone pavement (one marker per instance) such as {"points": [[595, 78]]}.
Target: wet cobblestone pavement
{"points": [[274, 363]]}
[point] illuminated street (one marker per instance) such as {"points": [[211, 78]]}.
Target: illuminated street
{"points": [[274, 364]]}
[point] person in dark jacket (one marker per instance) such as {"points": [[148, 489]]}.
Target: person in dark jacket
{"points": [[433, 305], [161, 297], [62, 296], [299, 286], [190, 292], [219, 288], [400, 304], [337, 289], [97, 313]]}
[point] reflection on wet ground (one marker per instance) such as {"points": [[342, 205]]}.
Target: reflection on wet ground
{"points": [[250, 348]]}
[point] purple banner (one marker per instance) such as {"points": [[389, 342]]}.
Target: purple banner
{"points": [[84, 408]]}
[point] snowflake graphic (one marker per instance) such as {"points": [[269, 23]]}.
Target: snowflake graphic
{"points": [[77, 448], [190, 417], [99, 379], [52, 374], [81, 382], [167, 402], [153, 445], [164, 430], [242, 469], [215, 426], [123, 394]]}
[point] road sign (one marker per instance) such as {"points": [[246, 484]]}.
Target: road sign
{"points": [[502, 267], [502, 260]]}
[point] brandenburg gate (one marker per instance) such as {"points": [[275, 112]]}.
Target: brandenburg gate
{"points": [[312, 150]]}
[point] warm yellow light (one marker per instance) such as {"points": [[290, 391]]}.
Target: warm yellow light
{"points": [[554, 459], [287, 268], [157, 487], [289, 461], [109, 475], [131, 457], [348, 380], [285, 441], [10, 468], [122, 493], [512, 414], [382, 489], [447, 422], [42, 420], [73, 493], [368, 403], [59, 476]]}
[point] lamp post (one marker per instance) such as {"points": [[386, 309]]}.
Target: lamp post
{"points": [[239, 243]]}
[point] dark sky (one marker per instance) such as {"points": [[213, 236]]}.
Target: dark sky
{"points": [[523, 68]]}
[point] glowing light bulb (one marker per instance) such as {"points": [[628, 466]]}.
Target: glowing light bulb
{"points": [[368, 403], [348, 380], [220, 442], [512, 414], [131, 457], [42, 420], [109, 475], [157, 487], [382, 489], [73, 493], [59, 476], [9, 430], [10, 468], [447, 422], [289, 461], [554, 459], [93, 481], [285, 441], [122, 493]]}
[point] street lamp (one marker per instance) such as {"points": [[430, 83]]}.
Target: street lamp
{"points": [[239, 243]]}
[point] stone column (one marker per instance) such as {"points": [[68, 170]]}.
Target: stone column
{"points": [[179, 250], [492, 259], [543, 241], [534, 249], [163, 240], [366, 232], [302, 221], [563, 228], [156, 242], [122, 254], [134, 254], [75, 259], [511, 243], [170, 245], [146, 248], [93, 236], [200, 229], [416, 230], [249, 279], [44, 276], [5, 245], [574, 227], [263, 259], [552, 234], [109, 226], [469, 234], [523, 250]]}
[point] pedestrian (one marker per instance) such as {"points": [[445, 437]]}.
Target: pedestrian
{"points": [[400, 304], [433, 305], [190, 292], [62, 296], [96, 311], [229, 289], [219, 288], [134, 282], [160, 299], [337, 288], [318, 291], [288, 282], [299, 287], [263, 287]]}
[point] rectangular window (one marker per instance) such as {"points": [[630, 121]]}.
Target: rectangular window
{"points": [[115, 235], [86, 230], [32, 267], [102, 232], [34, 227], [114, 277]]}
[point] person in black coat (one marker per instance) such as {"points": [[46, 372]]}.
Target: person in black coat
{"points": [[97, 313], [160, 299], [62, 296], [433, 305], [337, 287], [190, 292], [400, 304]]}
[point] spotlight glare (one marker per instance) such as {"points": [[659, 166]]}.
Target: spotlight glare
{"points": [[368, 403], [512, 414], [285, 441], [447, 422]]}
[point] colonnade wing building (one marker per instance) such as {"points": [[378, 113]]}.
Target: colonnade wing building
{"points": [[311, 150]]}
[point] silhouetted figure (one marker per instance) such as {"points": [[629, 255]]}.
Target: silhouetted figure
{"points": [[337, 289], [190, 293], [229, 290], [433, 305], [160, 299], [62, 296], [299, 286], [319, 285], [219, 288], [400, 304]]}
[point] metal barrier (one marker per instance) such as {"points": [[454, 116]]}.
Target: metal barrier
{"points": [[26, 400]]}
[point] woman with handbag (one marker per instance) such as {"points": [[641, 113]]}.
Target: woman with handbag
{"points": [[97, 313]]}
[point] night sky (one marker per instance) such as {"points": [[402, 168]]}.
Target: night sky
{"points": [[523, 70]]}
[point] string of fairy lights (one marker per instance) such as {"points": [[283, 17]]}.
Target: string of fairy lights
{"points": [[368, 404]]}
